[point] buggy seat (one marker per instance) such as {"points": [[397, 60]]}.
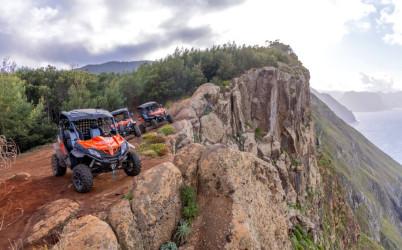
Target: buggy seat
{"points": [[95, 130]]}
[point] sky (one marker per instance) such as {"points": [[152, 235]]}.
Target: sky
{"points": [[346, 44]]}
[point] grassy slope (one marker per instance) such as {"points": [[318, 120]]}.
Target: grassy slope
{"points": [[364, 169]]}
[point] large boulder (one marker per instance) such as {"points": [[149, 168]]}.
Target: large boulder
{"points": [[87, 232], [186, 160], [211, 129], [156, 204], [183, 135], [242, 201], [49, 219], [122, 221]]}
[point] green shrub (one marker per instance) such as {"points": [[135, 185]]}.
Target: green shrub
{"points": [[299, 247], [160, 148], [166, 130], [169, 246], [259, 133], [248, 125], [196, 139], [183, 231], [283, 150], [191, 210], [298, 235], [187, 195], [156, 139], [147, 136]]}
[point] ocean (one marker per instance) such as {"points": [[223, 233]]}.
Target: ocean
{"points": [[384, 129]]}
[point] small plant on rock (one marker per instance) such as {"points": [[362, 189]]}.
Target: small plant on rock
{"points": [[169, 246], [128, 196], [191, 211], [209, 109], [183, 231]]}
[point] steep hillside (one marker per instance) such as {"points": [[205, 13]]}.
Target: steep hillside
{"points": [[116, 67], [371, 179], [340, 110]]}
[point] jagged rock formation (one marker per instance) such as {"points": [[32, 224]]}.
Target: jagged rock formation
{"points": [[372, 180], [266, 112]]}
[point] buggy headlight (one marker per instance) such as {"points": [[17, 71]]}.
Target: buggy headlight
{"points": [[123, 148], [94, 153]]}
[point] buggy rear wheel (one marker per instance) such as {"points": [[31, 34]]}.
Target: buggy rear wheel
{"points": [[142, 128], [132, 166], [82, 178], [154, 123], [56, 168], [169, 118], [137, 131]]}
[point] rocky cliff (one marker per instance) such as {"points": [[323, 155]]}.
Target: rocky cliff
{"points": [[249, 150], [267, 113]]}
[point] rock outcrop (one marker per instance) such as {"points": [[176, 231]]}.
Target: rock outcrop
{"points": [[149, 219], [241, 198], [267, 113], [87, 232], [49, 219]]}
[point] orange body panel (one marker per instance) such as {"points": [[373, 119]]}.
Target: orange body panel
{"points": [[62, 146], [106, 144], [124, 123], [158, 112]]}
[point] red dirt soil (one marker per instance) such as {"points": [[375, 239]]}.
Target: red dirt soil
{"points": [[42, 187]]}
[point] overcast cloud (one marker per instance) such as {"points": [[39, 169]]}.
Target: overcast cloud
{"points": [[335, 39]]}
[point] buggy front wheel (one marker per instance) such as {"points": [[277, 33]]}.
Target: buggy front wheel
{"points": [[169, 118], [133, 165], [142, 128], [154, 123], [136, 130], [82, 178]]}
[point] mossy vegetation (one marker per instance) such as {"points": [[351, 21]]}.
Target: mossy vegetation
{"points": [[367, 243], [166, 130], [302, 240], [154, 146]]}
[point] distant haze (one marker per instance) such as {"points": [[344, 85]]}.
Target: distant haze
{"points": [[116, 67], [368, 101]]}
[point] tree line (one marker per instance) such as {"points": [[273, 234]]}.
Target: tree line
{"points": [[32, 99]]}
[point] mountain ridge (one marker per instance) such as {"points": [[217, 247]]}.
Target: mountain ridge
{"points": [[113, 66]]}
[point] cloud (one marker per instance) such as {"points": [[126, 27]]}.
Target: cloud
{"points": [[391, 15], [87, 32], [382, 83], [64, 32]]}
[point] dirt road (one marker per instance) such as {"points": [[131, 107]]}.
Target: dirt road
{"points": [[23, 198]]}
